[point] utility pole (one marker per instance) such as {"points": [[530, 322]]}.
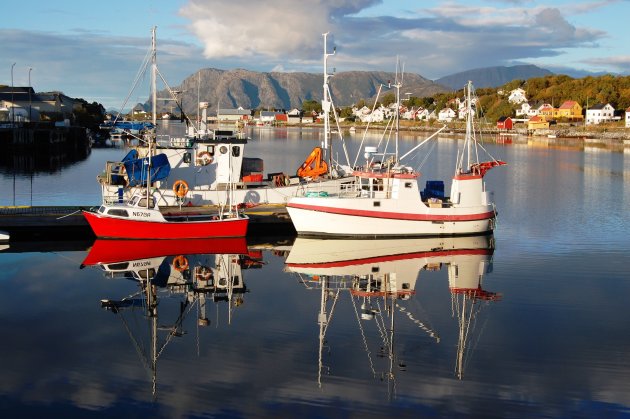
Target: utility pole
{"points": [[12, 104], [29, 95]]}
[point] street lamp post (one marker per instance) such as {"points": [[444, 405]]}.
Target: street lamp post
{"points": [[29, 95], [12, 104]]}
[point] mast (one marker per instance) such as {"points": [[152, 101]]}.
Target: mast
{"points": [[397, 85], [153, 77], [326, 102], [153, 107]]}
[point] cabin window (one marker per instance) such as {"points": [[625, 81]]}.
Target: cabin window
{"points": [[375, 269], [187, 157], [121, 266], [407, 184], [101, 209], [378, 185], [146, 273], [134, 200], [223, 149], [143, 203], [210, 149], [377, 203], [118, 212], [236, 151]]}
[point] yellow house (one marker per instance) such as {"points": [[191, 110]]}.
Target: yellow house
{"points": [[547, 112], [570, 110], [537, 122]]}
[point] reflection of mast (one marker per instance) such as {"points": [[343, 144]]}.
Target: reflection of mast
{"points": [[466, 298], [323, 320], [194, 281]]}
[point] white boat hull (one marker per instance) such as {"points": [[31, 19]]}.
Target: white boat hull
{"points": [[207, 195], [346, 217]]}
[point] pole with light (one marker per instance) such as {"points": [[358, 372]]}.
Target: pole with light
{"points": [[12, 104], [29, 95]]}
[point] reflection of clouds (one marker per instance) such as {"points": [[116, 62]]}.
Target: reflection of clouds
{"points": [[557, 337]]}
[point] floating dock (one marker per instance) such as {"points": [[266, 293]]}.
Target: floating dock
{"points": [[65, 222]]}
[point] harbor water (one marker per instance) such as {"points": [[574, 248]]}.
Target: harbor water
{"points": [[529, 322]]}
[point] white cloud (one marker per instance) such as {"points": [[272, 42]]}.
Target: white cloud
{"points": [[272, 28]]}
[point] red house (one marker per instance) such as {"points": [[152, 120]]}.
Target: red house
{"points": [[505, 123]]}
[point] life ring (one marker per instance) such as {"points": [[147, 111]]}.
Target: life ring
{"points": [[180, 263], [204, 158], [180, 187]]}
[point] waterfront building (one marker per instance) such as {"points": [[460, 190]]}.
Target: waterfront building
{"points": [[600, 113], [628, 118]]}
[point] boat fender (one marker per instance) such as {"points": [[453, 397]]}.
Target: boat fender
{"points": [[204, 158], [180, 187], [180, 263]]}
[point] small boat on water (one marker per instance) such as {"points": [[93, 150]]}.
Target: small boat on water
{"points": [[141, 218], [385, 199]]}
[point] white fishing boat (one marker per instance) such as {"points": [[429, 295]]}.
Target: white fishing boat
{"points": [[207, 160], [385, 199], [141, 218]]}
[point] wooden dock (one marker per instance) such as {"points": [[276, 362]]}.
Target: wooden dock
{"points": [[67, 222]]}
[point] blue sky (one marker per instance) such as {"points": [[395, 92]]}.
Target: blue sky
{"points": [[93, 49]]}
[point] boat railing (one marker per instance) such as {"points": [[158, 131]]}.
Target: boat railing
{"points": [[114, 174], [323, 189], [165, 140]]}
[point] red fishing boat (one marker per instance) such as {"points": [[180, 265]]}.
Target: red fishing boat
{"points": [[141, 218]]}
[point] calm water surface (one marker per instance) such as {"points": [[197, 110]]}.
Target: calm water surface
{"points": [[532, 322]]}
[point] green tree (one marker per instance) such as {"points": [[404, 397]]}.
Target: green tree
{"points": [[310, 105]]}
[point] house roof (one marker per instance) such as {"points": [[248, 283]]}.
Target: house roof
{"points": [[503, 119], [535, 119], [598, 106], [239, 111], [568, 104]]}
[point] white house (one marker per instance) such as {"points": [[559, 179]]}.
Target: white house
{"points": [[628, 118], [422, 114], [446, 115], [527, 110], [238, 114], [517, 96], [268, 116], [599, 113]]}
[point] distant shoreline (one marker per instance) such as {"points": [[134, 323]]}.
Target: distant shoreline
{"points": [[613, 135]]}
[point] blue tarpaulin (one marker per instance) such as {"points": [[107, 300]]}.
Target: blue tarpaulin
{"points": [[137, 172]]}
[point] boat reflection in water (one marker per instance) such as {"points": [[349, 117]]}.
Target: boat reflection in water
{"points": [[380, 276], [197, 272]]}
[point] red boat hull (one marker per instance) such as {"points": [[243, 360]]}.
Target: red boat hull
{"points": [[111, 251], [120, 228]]}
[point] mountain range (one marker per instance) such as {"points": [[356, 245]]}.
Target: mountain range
{"points": [[276, 90]]}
